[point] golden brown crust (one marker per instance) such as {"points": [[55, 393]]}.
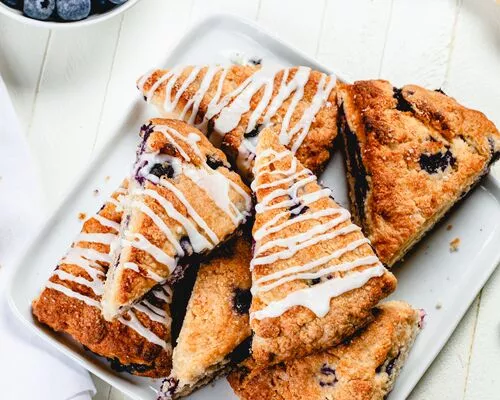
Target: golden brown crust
{"points": [[313, 152], [123, 345], [189, 158], [364, 368], [412, 153], [299, 331], [216, 320]]}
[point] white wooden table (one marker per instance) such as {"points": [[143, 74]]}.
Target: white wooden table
{"points": [[67, 85]]}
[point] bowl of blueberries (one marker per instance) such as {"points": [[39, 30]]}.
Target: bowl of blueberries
{"points": [[63, 13]]}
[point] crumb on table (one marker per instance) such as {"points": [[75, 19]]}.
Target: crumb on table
{"points": [[82, 216], [448, 228], [454, 244], [96, 192], [439, 305], [107, 178]]}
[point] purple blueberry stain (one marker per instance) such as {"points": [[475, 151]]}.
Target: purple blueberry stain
{"points": [[160, 170], [432, 163], [329, 377]]}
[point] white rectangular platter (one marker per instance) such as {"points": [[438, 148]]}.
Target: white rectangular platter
{"points": [[431, 277]]}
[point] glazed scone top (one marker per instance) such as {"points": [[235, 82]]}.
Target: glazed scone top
{"points": [[418, 151], [184, 199], [81, 273], [362, 368], [238, 101], [307, 250]]}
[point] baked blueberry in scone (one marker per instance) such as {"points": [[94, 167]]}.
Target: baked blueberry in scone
{"points": [[215, 331], [363, 367], [235, 102], [139, 341], [183, 201], [315, 276], [411, 154]]}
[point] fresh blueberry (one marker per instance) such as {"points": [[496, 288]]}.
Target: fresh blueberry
{"points": [[73, 10], [241, 300], [39, 9], [101, 6], [13, 3], [118, 2]]}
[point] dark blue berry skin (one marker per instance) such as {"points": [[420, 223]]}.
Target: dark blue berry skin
{"points": [[14, 3], [73, 10], [101, 6], [118, 2], [39, 9]]}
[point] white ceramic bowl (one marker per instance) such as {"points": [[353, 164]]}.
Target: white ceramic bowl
{"points": [[92, 19]]}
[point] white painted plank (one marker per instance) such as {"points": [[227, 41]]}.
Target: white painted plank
{"points": [[450, 365], [22, 50], [420, 58], [204, 8], [353, 37], [475, 62], [149, 30], [69, 102], [484, 379], [297, 22]]}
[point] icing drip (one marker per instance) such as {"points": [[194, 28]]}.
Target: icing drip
{"points": [[140, 242], [317, 298], [333, 276], [136, 325]]}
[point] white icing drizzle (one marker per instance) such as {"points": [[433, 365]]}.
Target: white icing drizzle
{"points": [[94, 284], [140, 242], [198, 241], [87, 259], [149, 274], [229, 111], [71, 293], [106, 222], [136, 325], [103, 238], [317, 298], [195, 101], [287, 184], [142, 207]]}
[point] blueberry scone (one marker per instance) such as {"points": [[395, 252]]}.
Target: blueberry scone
{"points": [[315, 276], [363, 367], [237, 101], [215, 332], [138, 341], [183, 200], [412, 154]]}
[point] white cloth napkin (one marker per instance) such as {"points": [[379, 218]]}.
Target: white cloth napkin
{"points": [[29, 369]]}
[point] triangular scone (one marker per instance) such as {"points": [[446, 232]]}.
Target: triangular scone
{"points": [[362, 368], [212, 338], [412, 153], [137, 342], [183, 200], [315, 276], [237, 101]]}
